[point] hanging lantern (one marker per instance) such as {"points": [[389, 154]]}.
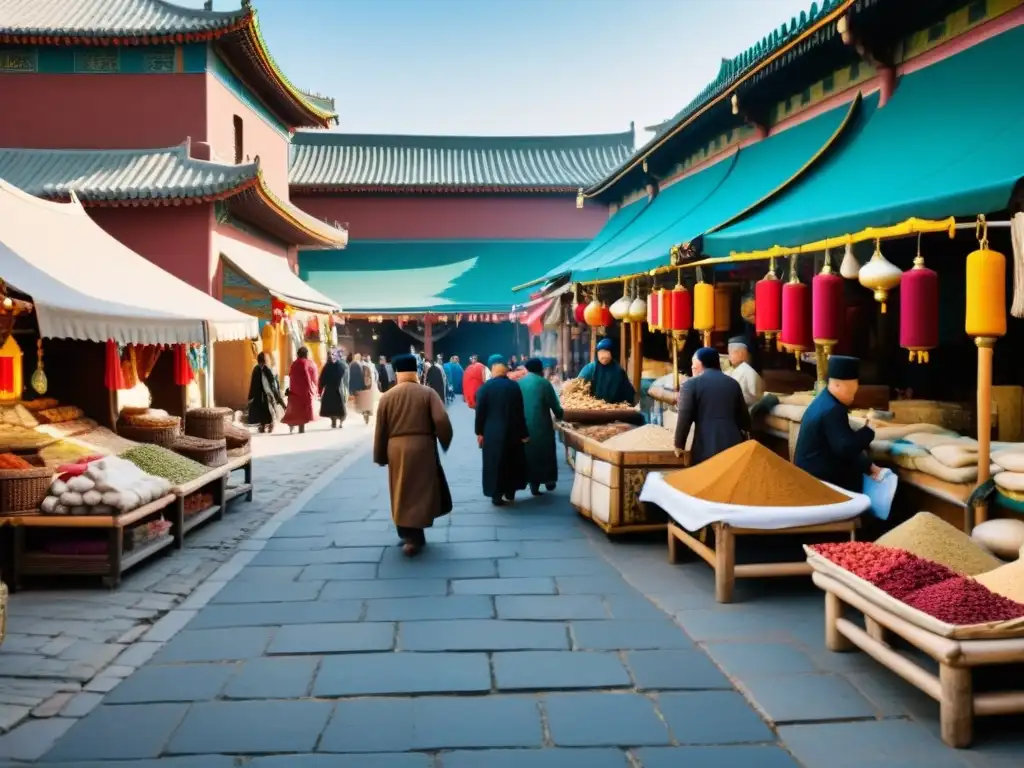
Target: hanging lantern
{"points": [[637, 308], [681, 309], [919, 309], [827, 312], [620, 308], [653, 314], [703, 308], [592, 314], [796, 315], [768, 305], [664, 310], [723, 309], [849, 269], [880, 275], [605, 318], [577, 313], [986, 293]]}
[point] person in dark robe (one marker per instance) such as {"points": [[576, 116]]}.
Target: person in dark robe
{"points": [[712, 404], [265, 402], [456, 375], [540, 401], [828, 447], [333, 386], [361, 386], [502, 434], [411, 423], [608, 381], [472, 380], [434, 378], [385, 374]]}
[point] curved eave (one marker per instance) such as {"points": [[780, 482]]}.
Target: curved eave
{"points": [[152, 200], [426, 189], [260, 206], [637, 160], [107, 40]]}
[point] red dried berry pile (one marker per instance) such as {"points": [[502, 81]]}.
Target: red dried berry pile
{"points": [[869, 561], [910, 576], [964, 601]]}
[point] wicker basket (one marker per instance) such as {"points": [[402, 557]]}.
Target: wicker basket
{"points": [[23, 490], [207, 423], [237, 453], [237, 437], [155, 435], [212, 453]]}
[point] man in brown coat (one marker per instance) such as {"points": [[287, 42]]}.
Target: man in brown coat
{"points": [[411, 421]]}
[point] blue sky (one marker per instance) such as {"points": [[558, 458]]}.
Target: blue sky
{"points": [[508, 67]]}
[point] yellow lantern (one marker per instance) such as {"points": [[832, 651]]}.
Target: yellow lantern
{"points": [[723, 309], [986, 293], [880, 275], [703, 307]]}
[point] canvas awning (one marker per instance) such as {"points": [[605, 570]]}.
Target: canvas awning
{"points": [[87, 285], [273, 273], [916, 157]]}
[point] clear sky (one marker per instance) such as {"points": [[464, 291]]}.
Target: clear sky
{"points": [[509, 67]]}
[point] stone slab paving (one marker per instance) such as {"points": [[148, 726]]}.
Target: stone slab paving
{"points": [[521, 638]]}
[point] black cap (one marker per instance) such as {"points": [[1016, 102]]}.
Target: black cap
{"points": [[404, 363], [739, 340], [843, 368]]}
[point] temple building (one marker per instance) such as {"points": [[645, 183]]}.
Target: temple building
{"points": [[172, 125], [443, 227]]}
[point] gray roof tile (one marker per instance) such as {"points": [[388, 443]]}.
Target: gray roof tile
{"points": [[104, 18], [359, 161], [120, 174]]}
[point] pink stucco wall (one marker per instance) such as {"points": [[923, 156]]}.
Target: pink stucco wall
{"points": [[439, 217], [271, 247], [259, 139], [178, 239], [101, 111]]}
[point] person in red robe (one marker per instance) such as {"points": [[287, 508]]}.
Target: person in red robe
{"points": [[472, 380], [302, 391]]}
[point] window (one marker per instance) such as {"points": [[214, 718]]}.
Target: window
{"points": [[977, 11], [239, 140]]}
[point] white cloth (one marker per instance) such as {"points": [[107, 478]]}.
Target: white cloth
{"points": [[750, 383], [693, 514]]}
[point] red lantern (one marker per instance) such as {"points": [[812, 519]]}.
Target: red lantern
{"points": [[827, 307], [577, 313], [768, 305], [664, 310], [919, 311], [653, 311], [796, 316], [680, 309], [606, 316]]}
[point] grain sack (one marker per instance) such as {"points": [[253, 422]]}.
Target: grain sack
{"points": [[932, 466], [797, 398], [932, 441], [1010, 481], [899, 431], [903, 448], [649, 437], [1011, 461], [1003, 538], [881, 446], [956, 456], [1007, 580], [789, 412], [749, 474], [932, 538]]}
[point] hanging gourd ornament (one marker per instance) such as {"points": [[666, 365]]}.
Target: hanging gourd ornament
{"points": [[620, 307], [850, 267], [919, 309], [592, 314], [38, 380], [664, 310], [880, 275], [986, 290], [768, 305], [796, 315], [827, 311], [637, 308]]}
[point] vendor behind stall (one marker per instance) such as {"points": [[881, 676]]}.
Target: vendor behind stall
{"points": [[828, 447], [608, 381], [712, 404], [749, 380]]}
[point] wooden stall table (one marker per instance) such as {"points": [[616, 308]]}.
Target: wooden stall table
{"points": [[109, 565], [953, 687], [923, 492], [235, 463], [722, 556], [215, 481]]}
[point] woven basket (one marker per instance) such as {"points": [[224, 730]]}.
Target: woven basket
{"points": [[212, 453], [237, 453], [156, 436], [134, 410], [207, 423], [237, 437], [23, 490], [3, 612]]}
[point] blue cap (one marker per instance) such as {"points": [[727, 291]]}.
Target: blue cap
{"points": [[709, 358], [494, 360], [606, 344]]}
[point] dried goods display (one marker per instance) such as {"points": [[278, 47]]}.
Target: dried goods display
{"points": [[196, 502], [41, 404], [141, 535], [59, 414], [162, 462], [932, 538], [575, 396], [67, 429], [65, 452], [103, 440], [12, 461], [14, 438], [1006, 580], [602, 432], [17, 416], [649, 437], [104, 486]]}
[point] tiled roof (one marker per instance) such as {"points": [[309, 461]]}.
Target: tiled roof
{"points": [[105, 18], [326, 103], [321, 160], [121, 174]]}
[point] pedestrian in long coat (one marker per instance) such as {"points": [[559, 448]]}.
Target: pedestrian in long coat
{"points": [[433, 377], [302, 391], [334, 389], [361, 386], [540, 401], [712, 403], [265, 402], [455, 377], [411, 423], [472, 380], [502, 434]]}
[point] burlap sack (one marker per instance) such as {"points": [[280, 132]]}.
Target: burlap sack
{"points": [[1011, 461], [1011, 481], [1003, 538], [956, 456], [789, 412], [931, 441]]}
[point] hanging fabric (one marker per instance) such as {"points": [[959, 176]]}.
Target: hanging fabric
{"points": [[1017, 235], [113, 377], [182, 370], [145, 359], [129, 368]]}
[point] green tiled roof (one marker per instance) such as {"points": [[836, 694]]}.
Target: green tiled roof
{"points": [[120, 174], [321, 160], [326, 103], [105, 18], [399, 276]]}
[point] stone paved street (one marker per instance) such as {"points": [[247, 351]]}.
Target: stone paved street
{"points": [[520, 639]]}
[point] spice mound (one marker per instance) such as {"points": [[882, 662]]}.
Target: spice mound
{"points": [[164, 463], [931, 538], [649, 437], [1007, 580], [751, 475], [964, 601]]}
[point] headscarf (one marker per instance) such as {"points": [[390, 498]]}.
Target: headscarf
{"points": [[494, 360], [709, 358], [606, 343], [534, 365], [404, 363]]}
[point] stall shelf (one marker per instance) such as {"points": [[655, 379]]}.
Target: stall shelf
{"points": [[952, 687], [109, 565], [214, 481], [237, 490]]}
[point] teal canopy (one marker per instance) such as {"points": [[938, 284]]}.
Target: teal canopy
{"points": [[408, 276], [947, 144], [617, 224]]}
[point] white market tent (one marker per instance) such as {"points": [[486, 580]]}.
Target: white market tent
{"points": [[86, 285]]}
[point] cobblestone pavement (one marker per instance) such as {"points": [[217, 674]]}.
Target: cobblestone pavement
{"points": [[520, 639], [65, 647]]}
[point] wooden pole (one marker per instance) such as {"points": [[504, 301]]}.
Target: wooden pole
{"points": [[638, 355], [428, 338], [986, 351], [624, 344], [675, 362], [592, 330]]}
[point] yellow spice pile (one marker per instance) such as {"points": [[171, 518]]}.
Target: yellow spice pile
{"points": [[932, 538], [1006, 580], [649, 437]]}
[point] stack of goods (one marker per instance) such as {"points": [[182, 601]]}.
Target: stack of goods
{"points": [[936, 452], [933, 568], [141, 535], [98, 441], [208, 423], [59, 414], [162, 462], [575, 396], [602, 432], [212, 453], [1003, 537], [238, 440], [16, 438], [196, 503], [1008, 474], [148, 426], [102, 486], [41, 404], [62, 430], [18, 416], [23, 485]]}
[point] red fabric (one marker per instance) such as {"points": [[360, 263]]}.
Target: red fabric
{"points": [[182, 368], [113, 377], [7, 374], [827, 308], [768, 306], [796, 317], [472, 380], [302, 378], [919, 309]]}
